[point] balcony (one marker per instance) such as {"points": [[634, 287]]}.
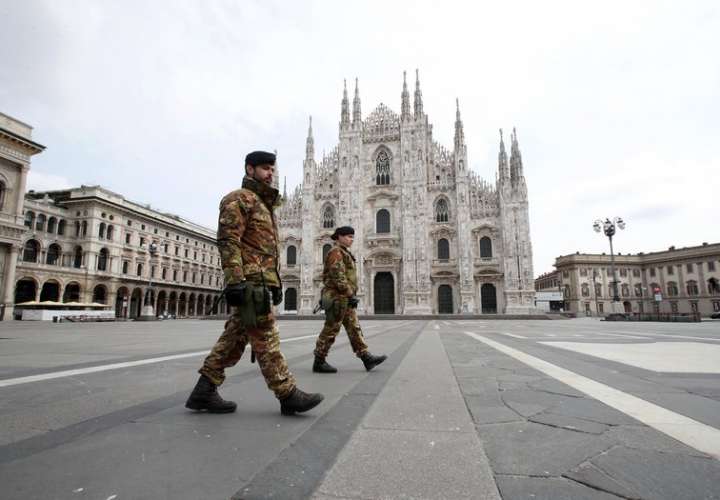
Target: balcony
{"points": [[382, 239]]}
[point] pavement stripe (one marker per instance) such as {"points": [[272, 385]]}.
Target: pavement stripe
{"points": [[418, 428], [115, 366], [300, 467], [512, 335], [700, 436]]}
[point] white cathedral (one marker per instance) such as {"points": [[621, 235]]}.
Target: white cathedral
{"points": [[430, 235]]}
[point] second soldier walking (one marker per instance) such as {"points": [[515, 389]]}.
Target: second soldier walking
{"points": [[340, 304]]}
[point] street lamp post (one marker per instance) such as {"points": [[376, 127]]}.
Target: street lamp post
{"points": [[597, 311], [148, 313], [608, 227]]}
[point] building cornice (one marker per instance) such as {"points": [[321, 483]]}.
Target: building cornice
{"points": [[32, 146]]}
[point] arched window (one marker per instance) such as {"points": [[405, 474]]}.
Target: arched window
{"points": [[326, 249], [40, 223], [139, 269], [78, 256], [625, 290], [52, 222], [29, 219], [328, 217], [598, 290], [713, 286], [125, 266], [485, 247], [31, 251], [61, 227], [101, 230], [638, 290], [443, 249], [672, 289], [291, 255], [53, 255], [692, 288], [72, 293], [77, 228], [442, 213], [100, 294], [382, 168], [585, 290], [382, 221], [103, 260], [3, 190], [111, 230]]}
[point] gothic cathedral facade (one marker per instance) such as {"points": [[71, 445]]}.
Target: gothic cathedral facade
{"points": [[431, 237]]}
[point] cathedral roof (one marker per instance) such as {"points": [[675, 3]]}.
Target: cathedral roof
{"points": [[380, 125], [382, 115]]}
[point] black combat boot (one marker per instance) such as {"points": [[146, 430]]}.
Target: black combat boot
{"points": [[322, 366], [371, 361], [205, 397], [298, 401]]}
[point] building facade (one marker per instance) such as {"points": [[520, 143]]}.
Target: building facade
{"points": [[430, 235], [16, 150], [89, 244], [688, 280]]}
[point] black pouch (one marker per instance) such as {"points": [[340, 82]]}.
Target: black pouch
{"points": [[262, 300], [246, 310]]}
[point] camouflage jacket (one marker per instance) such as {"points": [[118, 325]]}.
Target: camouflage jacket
{"points": [[247, 234], [340, 273]]}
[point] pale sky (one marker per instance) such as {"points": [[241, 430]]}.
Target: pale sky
{"points": [[616, 104]]}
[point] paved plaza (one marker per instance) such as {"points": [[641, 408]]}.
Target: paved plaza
{"points": [[563, 409]]}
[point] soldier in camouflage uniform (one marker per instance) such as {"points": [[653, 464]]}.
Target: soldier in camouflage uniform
{"points": [[340, 304], [247, 239]]}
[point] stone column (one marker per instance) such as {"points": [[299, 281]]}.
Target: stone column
{"points": [[20, 200], [702, 285], [9, 292]]}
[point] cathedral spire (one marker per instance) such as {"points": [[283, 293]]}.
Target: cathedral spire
{"points": [[502, 161], [516, 166], [310, 143], [459, 133], [418, 96], [276, 176], [345, 108], [357, 117], [405, 106]]}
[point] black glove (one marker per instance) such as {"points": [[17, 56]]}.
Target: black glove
{"points": [[353, 302], [235, 294], [277, 295]]}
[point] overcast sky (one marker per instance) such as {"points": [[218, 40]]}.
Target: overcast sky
{"points": [[616, 104]]}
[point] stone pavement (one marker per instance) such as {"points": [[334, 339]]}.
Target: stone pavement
{"points": [[446, 416]]}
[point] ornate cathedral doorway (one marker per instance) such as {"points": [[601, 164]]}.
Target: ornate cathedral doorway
{"points": [[384, 293], [488, 299], [445, 299]]}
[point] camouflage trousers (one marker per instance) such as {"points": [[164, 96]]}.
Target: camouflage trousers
{"points": [[265, 343], [340, 314]]}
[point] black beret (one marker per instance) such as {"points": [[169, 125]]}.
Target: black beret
{"points": [[342, 231], [260, 158]]}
